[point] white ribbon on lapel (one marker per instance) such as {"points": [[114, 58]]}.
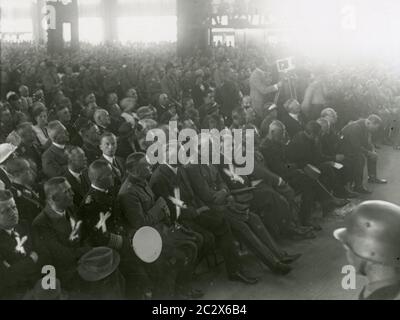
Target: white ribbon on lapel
{"points": [[232, 175], [176, 200], [75, 229], [102, 221], [20, 244]]}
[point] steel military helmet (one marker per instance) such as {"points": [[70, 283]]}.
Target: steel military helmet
{"points": [[372, 232]]}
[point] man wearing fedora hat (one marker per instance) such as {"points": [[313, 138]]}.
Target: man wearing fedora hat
{"points": [[371, 239]]}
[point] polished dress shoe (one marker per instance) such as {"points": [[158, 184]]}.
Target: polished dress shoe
{"points": [[241, 277], [281, 268], [377, 180], [289, 258], [362, 190]]}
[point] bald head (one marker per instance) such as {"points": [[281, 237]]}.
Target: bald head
{"points": [[101, 175], [102, 118]]}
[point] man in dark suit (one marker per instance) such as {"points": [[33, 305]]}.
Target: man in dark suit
{"points": [[304, 150], [76, 174], [54, 160], [209, 186], [90, 134], [101, 225], [171, 182], [20, 264], [58, 229], [274, 151], [108, 146], [357, 146], [140, 207], [22, 180]]}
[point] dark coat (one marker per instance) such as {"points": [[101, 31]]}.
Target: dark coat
{"points": [[136, 199], [302, 151], [54, 162], [356, 138], [80, 188], [53, 232], [164, 180], [118, 168], [92, 153], [292, 126], [18, 272], [94, 203], [274, 153], [27, 201]]}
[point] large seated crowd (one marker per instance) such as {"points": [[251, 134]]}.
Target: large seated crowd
{"points": [[76, 183]]}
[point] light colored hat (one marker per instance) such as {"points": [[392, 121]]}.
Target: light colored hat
{"points": [[6, 149], [147, 244]]}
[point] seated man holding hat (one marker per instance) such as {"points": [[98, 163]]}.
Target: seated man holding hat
{"points": [[140, 207]]}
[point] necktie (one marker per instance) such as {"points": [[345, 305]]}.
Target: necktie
{"points": [[117, 171]]}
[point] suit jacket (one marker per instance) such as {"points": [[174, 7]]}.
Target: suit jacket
{"points": [[92, 153], [53, 232], [163, 182], [54, 162], [259, 88], [356, 138], [18, 272], [302, 151], [136, 200], [118, 168], [205, 181], [27, 201], [275, 157], [292, 125], [80, 188], [93, 205]]}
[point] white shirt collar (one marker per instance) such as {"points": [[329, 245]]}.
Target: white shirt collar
{"points": [[174, 170], [60, 146], [109, 159], [97, 188], [74, 174], [294, 116], [60, 213]]}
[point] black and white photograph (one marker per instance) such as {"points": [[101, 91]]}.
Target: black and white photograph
{"points": [[199, 155]]}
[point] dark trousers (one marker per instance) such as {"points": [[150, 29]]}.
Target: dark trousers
{"points": [[359, 161], [215, 222], [254, 235]]}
